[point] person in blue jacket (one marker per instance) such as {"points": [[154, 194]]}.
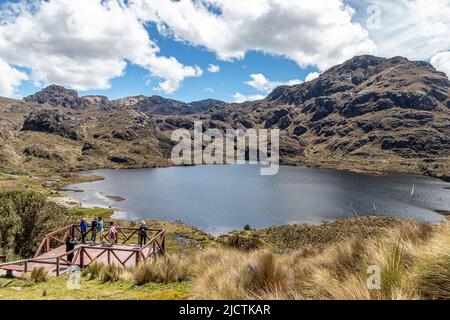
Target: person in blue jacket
{"points": [[84, 229]]}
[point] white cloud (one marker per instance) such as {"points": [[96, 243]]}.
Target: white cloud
{"points": [[10, 79], [239, 97], [318, 33], [441, 62], [312, 76], [213, 68], [262, 84], [416, 29], [83, 44], [209, 90]]}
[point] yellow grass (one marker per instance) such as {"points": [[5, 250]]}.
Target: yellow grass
{"points": [[414, 264]]}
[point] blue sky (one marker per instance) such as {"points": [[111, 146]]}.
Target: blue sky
{"points": [[164, 47]]}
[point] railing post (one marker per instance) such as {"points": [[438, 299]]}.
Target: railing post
{"points": [[26, 267], [57, 266], [109, 256], [82, 257], [138, 257], [163, 242]]}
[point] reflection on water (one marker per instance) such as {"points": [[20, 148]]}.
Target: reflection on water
{"points": [[220, 198]]}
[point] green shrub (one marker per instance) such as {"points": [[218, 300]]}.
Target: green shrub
{"points": [[25, 217]]}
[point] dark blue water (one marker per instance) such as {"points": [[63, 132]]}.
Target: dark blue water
{"points": [[221, 198]]}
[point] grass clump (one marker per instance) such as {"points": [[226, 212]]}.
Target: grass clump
{"points": [[110, 273], [92, 271], [433, 267], [38, 275], [165, 270]]}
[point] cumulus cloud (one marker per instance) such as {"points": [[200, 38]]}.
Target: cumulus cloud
{"points": [[318, 33], [239, 97], [262, 84], [213, 68], [441, 62], [83, 44], [312, 76], [10, 79]]}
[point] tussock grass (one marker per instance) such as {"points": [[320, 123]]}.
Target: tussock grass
{"points": [[432, 271], [165, 270], [92, 271], [414, 260], [110, 273], [38, 275]]}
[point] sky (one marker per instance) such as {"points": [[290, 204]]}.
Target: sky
{"points": [[197, 49]]}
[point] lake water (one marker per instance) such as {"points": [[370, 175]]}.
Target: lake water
{"points": [[222, 198]]}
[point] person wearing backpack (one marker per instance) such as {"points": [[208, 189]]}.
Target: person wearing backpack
{"points": [[94, 230], [143, 231]]}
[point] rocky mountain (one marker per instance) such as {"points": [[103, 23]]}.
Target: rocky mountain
{"points": [[367, 114], [58, 96]]}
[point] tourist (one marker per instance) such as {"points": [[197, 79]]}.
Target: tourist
{"points": [[70, 246], [100, 228], [83, 229], [112, 233], [94, 230], [143, 231]]}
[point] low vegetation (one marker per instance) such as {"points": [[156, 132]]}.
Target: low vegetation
{"points": [[90, 213], [25, 217], [39, 275], [413, 259]]}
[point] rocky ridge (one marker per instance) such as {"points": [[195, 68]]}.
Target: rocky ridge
{"points": [[367, 114]]}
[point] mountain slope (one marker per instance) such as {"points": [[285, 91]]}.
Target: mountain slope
{"points": [[367, 114]]}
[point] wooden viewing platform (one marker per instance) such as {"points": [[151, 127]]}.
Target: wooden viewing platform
{"points": [[52, 254]]}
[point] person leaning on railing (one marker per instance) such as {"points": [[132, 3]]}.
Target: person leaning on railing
{"points": [[94, 230], [143, 231], [83, 228], [100, 228], [70, 246], [112, 233]]}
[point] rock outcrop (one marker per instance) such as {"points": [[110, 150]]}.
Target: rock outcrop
{"points": [[53, 121]]}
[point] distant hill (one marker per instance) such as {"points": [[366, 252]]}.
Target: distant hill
{"points": [[58, 96]]}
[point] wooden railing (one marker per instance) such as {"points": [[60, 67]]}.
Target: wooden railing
{"points": [[57, 261], [59, 237], [84, 255], [156, 245]]}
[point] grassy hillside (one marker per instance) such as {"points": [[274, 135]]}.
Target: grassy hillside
{"points": [[414, 260]]}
